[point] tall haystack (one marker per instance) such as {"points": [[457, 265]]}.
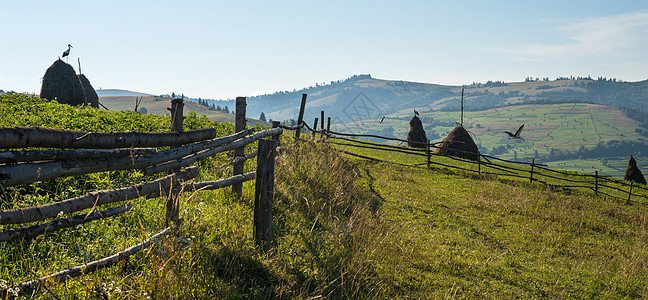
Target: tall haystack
{"points": [[416, 136], [459, 139], [91, 95], [61, 83], [633, 173]]}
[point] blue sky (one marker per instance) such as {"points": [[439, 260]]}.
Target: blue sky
{"points": [[219, 50]]}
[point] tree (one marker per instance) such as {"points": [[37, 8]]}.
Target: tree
{"points": [[226, 110], [173, 95], [262, 117]]}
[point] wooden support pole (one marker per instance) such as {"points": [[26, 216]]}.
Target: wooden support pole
{"points": [[328, 126], [275, 124], [176, 114], [596, 183], [479, 165], [172, 202], [630, 192], [239, 125], [300, 119], [264, 193], [427, 152], [322, 124], [314, 127], [531, 173]]}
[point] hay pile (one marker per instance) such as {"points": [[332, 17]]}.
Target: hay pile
{"points": [[416, 137], [61, 83], [459, 139], [633, 173], [91, 95]]}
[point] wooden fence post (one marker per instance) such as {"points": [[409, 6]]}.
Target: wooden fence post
{"points": [[532, 165], [300, 119], [239, 126], [314, 127], [172, 202], [328, 127], [427, 152], [479, 164], [264, 193], [596, 183], [275, 124], [322, 125], [630, 192]]}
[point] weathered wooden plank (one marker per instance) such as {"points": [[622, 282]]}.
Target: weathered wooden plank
{"points": [[186, 161], [58, 224], [43, 155], [239, 125], [39, 137], [26, 173], [98, 198]]}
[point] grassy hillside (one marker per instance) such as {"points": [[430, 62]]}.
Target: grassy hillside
{"points": [[344, 228], [362, 97], [550, 129]]}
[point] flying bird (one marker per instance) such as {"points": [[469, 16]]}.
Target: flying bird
{"points": [[517, 133], [381, 120], [416, 112], [67, 52]]}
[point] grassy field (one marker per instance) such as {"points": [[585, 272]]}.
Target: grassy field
{"points": [[557, 126], [344, 228]]}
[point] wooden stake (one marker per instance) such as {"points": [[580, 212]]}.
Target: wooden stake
{"points": [[532, 165], [630, 192], [264, 193], [462, 92], [314, 127], [322, 124], [596, 183], [275, 124], [239, 125], [328, 127], [300, 119], [172, 214]]}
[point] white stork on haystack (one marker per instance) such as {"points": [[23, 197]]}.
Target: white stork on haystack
{"points": [[67, 52]]}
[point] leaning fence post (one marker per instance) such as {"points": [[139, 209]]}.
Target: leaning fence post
{"points": [[630, 192], [264, 192], [314, 127], [300, 119], [172, 213], [596, 183], [532, 165], [239, 125]]}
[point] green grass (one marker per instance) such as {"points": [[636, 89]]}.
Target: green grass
{"points": [[347, 228]]}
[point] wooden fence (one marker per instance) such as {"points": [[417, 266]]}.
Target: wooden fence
{"points": [[485, 165], [77, 152]]}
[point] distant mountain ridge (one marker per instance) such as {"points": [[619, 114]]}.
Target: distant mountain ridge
{"points": [[362, 97]]}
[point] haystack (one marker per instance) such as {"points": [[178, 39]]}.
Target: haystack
{"points": [[459, 139], [61, 83], [416, 137], [91, 95], [633, 173]]}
